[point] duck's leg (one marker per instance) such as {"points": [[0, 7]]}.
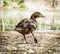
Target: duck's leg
{"points": [[34, 38], [24, 37]]}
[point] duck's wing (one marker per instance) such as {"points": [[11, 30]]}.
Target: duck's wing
{"points": [[22, 24]]}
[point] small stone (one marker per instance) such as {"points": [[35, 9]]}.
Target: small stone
{"points": [[0, 53], [14, 48], [3, 40], [24, 53], [24, 42], [30, 51]]}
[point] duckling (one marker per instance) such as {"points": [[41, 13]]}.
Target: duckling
{"points": [[27, 26]]}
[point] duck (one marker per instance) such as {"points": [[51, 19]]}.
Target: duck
{"points": [[27, 26]]}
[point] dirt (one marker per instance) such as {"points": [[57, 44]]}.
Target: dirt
{"points": [[12, 42]]}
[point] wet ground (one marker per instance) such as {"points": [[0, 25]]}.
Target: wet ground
{"points": [[12, 42]]}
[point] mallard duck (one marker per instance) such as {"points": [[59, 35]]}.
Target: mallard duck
{"points": [[27, 26]]}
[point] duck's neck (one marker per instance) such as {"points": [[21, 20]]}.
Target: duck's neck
{"points": [[34, 19]]}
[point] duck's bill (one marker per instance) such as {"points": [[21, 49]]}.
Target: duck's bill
{"points": [[42, 16]]}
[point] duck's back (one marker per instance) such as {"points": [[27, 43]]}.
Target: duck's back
{"points": [[26, 26]]}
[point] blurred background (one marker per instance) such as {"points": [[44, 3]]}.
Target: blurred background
{"points": [[13, 11]]}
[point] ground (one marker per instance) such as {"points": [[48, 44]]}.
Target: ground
{"points": [[12, 42]]}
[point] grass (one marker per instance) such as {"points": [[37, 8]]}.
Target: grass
{"points": [[11, 22]]}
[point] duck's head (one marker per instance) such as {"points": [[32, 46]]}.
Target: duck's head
{"points": [[36, 15]]}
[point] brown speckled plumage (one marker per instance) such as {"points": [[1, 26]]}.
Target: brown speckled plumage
{"points": [[27, 26]]}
